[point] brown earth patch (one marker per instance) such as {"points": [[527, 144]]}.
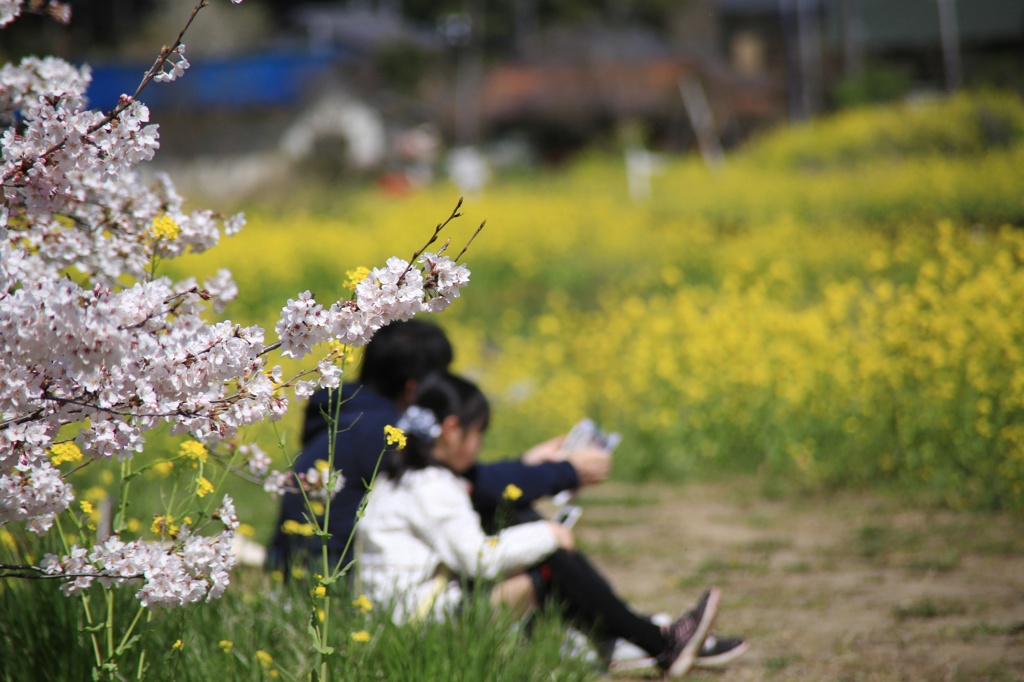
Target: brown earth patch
{"points": [[847, 587]]}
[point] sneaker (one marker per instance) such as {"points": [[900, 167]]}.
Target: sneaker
{"points": [[717, 651], [687, 633], [577, 645]]}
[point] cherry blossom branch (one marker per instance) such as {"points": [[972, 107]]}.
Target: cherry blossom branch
{"points": [[36, 573], [123, 102], [433, 238], [115, 412]]}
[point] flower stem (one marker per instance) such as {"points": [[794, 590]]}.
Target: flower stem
{"points": [[85, 602]]}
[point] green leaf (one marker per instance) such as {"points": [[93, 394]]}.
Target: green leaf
{"points": [[128, 645], [314, 633]]}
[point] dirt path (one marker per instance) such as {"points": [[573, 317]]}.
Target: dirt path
{"points": [[846, 587]]}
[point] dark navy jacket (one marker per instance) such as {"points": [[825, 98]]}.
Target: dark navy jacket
{"points": [[359, 442]]}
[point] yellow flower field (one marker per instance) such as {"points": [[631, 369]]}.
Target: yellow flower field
{"points": [[839, 304]]}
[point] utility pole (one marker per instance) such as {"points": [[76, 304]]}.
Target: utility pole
{"points": [[853, 39], [950, 33], [808, 43], [469, 75]]}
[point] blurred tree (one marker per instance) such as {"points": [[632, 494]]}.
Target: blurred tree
{"points": [[506, 20], [103, 26], [96, 26]]}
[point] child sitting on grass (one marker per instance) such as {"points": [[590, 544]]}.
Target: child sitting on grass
{"points": [[422, 544]]}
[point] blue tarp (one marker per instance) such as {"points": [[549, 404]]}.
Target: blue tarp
{"points": [[222, 83]]}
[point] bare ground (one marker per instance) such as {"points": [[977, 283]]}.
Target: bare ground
{"points": [[845, 587]]}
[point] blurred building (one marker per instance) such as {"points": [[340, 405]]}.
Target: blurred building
{"points": [[755, 63], [837, 52]]}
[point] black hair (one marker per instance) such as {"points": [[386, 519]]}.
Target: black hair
{"points": [[403, 351], [443, 394]]}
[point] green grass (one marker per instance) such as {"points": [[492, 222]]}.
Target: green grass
{"points": [[943, 562], [930, 607], [221, 640]]}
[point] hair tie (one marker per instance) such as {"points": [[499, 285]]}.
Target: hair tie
{"points": [[420, 422]]}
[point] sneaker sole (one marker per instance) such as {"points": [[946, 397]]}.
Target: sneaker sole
{"points": [[723, 658], [710, 662], [688, 656]]}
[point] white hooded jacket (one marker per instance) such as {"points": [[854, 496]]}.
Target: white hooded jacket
{"points": [[421, 534]]}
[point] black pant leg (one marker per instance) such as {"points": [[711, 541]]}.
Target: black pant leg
{"points": [[587, 599]]}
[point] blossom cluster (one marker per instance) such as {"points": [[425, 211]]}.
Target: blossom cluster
{"points": [[319, 482], [94, 340], [395, 292], [58, 11], [174, 574]]}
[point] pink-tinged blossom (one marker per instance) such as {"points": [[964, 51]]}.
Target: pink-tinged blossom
{"points": [[60, 11], [303, 324], [226, 513], [321, 483], [304, 389], [193, 567], [184, 570], [330, 374], [257, 461], [276, 483], [10, 9], [221, 289], [173, 68], [444, 280]]}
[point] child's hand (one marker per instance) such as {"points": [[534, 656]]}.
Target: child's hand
{"points": [[592, 465], [563, 536], [548, 451]]}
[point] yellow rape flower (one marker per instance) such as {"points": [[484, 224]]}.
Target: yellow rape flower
{"points": [[336, 348], [363, 603], [163, 469], [95, 494], [395, 436], [320, 591], [177, 646], [361, 636], [203, 487], [512, 492], [291, 527], [226, 645], [164, 525], [65, 452], [355, 277], [194, 450], [265, 659], [164, 227], [86, 506]]}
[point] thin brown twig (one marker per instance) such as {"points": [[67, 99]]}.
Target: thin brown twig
{"points": [[433, 238], [478, 230]]}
